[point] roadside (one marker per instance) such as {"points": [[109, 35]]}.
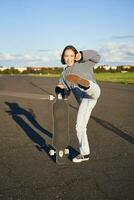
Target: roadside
{"points": [[115, 77]]}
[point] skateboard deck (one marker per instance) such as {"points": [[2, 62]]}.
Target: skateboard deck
{"points": [[60, 140]]}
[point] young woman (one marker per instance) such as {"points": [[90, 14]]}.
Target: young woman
{"points": [[78, 77]]}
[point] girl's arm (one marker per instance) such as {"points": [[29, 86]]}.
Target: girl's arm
{"points": [[62, 87], [89, 55], [61, 82]]}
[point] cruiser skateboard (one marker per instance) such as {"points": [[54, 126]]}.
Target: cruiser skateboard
{"points": [[60, 140]]}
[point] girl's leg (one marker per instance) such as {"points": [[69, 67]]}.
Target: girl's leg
{"points": [[83, 116], [88, 102]]}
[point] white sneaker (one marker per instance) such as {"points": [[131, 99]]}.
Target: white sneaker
{"points": [[80, 158]]}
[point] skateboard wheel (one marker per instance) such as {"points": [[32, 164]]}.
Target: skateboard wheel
{"points": [[61, 153], [66, 151], [51, 152]]}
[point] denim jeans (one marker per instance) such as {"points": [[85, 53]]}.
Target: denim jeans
{"points": [[87, 100]]}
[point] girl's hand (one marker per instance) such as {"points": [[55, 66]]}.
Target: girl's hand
{"points": [[61, 86], [78, 56]]}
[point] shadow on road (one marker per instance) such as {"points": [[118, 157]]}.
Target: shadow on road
{"points": [[17, 113], [110, 127], [114, 129]]}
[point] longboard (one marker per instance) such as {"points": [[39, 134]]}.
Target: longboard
{"points": [[60, 140]]}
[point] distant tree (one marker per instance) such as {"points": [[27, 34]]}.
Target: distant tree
{"points": [[112, 70], [6, 71], [29, 70], [129, 69], [100, 69], [14, 71], [119, 69]]}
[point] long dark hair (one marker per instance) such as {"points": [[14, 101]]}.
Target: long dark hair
{"points": [[68, 47]]}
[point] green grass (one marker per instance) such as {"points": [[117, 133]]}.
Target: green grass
{"points": [[116, 77]]}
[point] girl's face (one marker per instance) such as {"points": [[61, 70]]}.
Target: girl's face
{"points": [[69, 57]]}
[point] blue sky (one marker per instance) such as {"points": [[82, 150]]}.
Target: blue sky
{"points": [[34, 32]]}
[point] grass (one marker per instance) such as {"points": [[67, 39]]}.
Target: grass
{"points": [[116, 77]]}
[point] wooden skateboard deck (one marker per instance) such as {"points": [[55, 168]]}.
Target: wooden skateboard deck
{"points": [[60, 139]]}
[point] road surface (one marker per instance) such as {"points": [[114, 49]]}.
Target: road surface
{"points": [[27, 172]]}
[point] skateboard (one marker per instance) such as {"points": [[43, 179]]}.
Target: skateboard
{"points": [[60, 140]]}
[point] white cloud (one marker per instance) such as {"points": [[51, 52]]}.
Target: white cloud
{"points": [[38, 58], [6, 57], [120, 37], [57, 54], [114, 52], [111, 53]]}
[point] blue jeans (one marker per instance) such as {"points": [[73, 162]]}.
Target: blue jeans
{"points": [[87, 100]]}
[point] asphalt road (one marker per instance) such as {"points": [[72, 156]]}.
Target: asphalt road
{"points": [[28, 172]]}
